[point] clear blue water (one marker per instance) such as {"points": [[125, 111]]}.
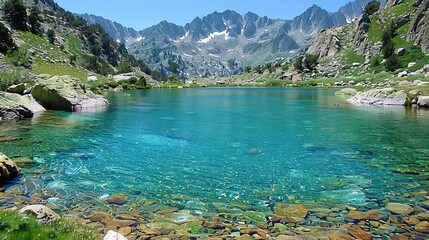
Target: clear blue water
{"points": [[248, 146]]}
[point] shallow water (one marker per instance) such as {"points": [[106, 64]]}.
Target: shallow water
{"points": [[193, 147]]}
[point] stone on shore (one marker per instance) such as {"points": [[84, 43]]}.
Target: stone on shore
{"points": [[347, 92], [386, 96], [112, 235], [65, 93], [399, 208], [8, 170], [14, 106], [423, 101], [43, 214]]}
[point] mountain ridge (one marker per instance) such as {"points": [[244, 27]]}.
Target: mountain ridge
{"points": [[225, 42]]}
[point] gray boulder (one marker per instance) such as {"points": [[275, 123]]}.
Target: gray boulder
{"points": [[386, 96], [8, 170], [65, 93], [43, 214], [14, 106], [347, 92], [423, 101]]}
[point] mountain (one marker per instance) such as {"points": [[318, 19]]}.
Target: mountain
{"points": [[222, 43], [115, 30]]}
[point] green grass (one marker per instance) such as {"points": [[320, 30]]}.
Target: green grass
{"points": [[351, 57], [414, 54], [14, 226]]}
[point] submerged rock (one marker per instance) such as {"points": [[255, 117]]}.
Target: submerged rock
{"points": [[8, 170], [386, 96], [65, 93], [14, 106], [292, 210], [118, 199], [399, 208], [43, 214]]}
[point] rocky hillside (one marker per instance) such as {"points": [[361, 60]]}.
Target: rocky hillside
{"points": [[222, 44], [52, 41], [360, 47]]}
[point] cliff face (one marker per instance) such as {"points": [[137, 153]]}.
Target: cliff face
{"points": [[327, 43], [419, 27]]}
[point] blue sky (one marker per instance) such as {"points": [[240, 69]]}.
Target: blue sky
{"points": [[140, 14]]}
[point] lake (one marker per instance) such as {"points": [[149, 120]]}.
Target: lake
{"points": [[223, 150]]}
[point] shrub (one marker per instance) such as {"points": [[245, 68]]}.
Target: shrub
{"points": [[298, 65], [275, 83], [16, 14], [142, 83], [18, 57], [113, 84], [311, 61], [124, 67], [392, 63], [372, 7], [172, 77], [51, 36], [6, 41], [34, 21], [388, 50]]}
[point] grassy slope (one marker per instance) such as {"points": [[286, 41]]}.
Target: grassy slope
{"points": [[14, 226]]}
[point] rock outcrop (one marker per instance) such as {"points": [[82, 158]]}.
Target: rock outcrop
{"points": [[391, 3], [386, 96], [419, 27], [14, 106], [327, 43], [65, 93], [44, 215], [8, 170]]}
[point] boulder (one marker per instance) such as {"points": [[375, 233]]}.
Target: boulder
{"points": [[423, 227], [292, 210], [112, 235], [65, 93], [18, 89], [399, 208], [296, 78], [347, 92], [403, 74], [8, 170], [44, 215], [386, 96], [400, 51], [15, 106], [402, 21], [92, 78], [423, 101]]}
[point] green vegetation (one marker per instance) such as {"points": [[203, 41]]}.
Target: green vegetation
{"points": [[34, 20], [372, 7], [351, 57], [14, 226], [15, 77], [18, 57], [124, 67], [16, 14], [51, 36], [308, 62], [6, 41]]}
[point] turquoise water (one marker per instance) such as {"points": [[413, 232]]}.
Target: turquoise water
{"points": [[192, 147]]}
